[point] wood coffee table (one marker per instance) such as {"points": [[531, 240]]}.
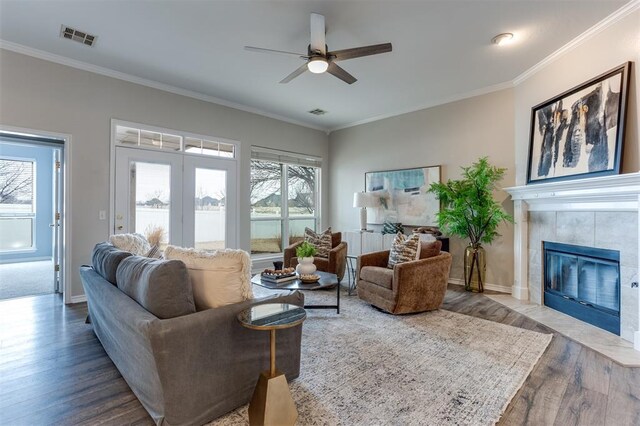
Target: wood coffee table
{"points": [[326, 280]]}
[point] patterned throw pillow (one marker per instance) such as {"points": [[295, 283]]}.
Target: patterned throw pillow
{"points": [[322, 241], [404, 249]]}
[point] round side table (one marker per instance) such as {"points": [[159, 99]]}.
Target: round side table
{"points": [[271, 403]]}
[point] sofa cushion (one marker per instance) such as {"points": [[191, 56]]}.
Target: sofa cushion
{"points": [[133, 243], [162, 287], [430, 249], [377, 275], [322, 241], [404, 249], [105, 260], [219, 278]]}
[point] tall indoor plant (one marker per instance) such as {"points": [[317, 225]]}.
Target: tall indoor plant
{"points": [[468, 210]]}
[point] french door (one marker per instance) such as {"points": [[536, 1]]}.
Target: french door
{"points": [[192, 199]]}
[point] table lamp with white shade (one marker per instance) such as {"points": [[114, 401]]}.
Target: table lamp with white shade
{"points": [[364, 200]]}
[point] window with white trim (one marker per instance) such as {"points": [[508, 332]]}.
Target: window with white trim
{"points": [[285, 199]]}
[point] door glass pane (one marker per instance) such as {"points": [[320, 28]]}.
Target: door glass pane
{"points": [[151, 193], [302, 190], [266, 236], [266, 197], [210, 212]]}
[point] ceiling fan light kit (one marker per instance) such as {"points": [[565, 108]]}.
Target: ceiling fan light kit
{"points": [[319, 59], [317, 65]]}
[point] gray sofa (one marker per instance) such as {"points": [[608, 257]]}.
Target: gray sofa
{"points": [[188, 367]]}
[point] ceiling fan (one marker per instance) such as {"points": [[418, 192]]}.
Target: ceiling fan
{"points": [[319, 59]]}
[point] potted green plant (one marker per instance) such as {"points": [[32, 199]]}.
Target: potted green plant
{"points": [[305, 253], [468, 210]]}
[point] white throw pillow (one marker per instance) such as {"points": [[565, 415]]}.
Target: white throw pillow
{"points": [[218, 278], [133, 243]]}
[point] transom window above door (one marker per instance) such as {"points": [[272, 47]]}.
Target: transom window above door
{"points": [[133, 136]]}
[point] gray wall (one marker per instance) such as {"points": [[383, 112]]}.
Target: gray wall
{"points": [[42, 95], [608, 49], [451, 135]]}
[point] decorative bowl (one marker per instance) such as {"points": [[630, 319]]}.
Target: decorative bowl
{"points": [[309, 278]]}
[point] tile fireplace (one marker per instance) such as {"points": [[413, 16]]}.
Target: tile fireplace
{"points": [[601, 213]]}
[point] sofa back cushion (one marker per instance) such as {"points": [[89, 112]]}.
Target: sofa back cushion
{"points": [[430, 249], [218, 278], [162, 287], [105, 260]]}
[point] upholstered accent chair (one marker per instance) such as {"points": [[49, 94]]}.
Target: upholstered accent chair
{"points": [[415, 286], [336, 262]]}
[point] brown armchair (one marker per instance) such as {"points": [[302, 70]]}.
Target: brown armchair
{"points": [[414, 286], [336, 262]]}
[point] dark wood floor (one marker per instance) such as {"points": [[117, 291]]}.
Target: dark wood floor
{"points": [[53, 370]]}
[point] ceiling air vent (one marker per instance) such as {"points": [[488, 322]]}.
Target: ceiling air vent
{"points": [[317, 111], [76, 35]]}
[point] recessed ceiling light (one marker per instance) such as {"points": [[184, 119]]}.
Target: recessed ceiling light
{"points": [[502, 39]]}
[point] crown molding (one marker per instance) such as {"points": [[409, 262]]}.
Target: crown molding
{"points": [[615, 17], [441, 101], [62, 60]]}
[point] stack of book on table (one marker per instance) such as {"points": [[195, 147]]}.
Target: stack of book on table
{"points": [[279, 276]]}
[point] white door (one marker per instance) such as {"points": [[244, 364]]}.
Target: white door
{"points": [[193, 199], [56, 223], [209, 206], [148, 193]]}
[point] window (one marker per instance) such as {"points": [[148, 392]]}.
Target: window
{"points": [[17, 204], [144, 138], [277, 176]]}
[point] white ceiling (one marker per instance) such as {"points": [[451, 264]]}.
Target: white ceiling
{"points": [[441, 49]]}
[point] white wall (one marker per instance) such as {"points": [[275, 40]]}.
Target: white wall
{"points": [[42, 95], [612, 47], [451, 135]]}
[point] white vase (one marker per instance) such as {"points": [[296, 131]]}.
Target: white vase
{"points": [[305, 266]]}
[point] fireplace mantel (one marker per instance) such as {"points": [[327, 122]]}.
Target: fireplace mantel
{"points": [[615, 193], [608, 193]]}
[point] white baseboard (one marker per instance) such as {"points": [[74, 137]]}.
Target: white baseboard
{"points": [[487, 286], [78, 299]]}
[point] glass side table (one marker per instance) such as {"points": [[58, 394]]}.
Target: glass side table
{"points": [[271, 403]]}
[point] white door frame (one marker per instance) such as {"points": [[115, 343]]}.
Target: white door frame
{"points": [[233, 238], [66, 201]]}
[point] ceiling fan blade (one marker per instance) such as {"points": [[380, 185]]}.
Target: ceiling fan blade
{"points": [[318, 42], [294, 74], [277, 52], [358, 52], [335, 70]]}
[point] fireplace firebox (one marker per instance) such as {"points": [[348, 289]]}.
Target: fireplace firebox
{"points": [[583, 282]]}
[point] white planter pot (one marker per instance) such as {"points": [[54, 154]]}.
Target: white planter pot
{"points": [[305, 266]]}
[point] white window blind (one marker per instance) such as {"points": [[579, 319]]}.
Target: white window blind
{"points": [[283, 157]]}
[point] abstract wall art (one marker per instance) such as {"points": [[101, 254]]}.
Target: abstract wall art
{"points": [[402, 196], [580, 133]]}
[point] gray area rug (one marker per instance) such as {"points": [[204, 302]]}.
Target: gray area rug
{"points": [[26, 279], [365, 367]]}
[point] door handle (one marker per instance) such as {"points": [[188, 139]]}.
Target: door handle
{"points": [[52, 225], [119, 227]]}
